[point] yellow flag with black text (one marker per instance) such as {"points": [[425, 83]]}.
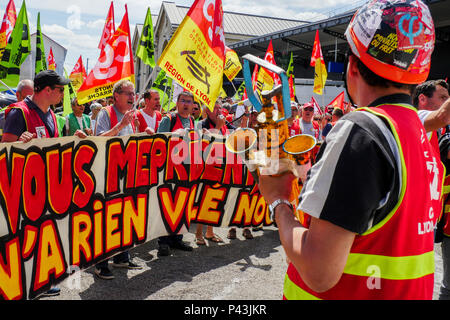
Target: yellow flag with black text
{"points": [[320, 77], [195, 55], [232, 64]]}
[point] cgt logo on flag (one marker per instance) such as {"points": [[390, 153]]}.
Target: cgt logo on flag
{"points": [[108, 29], [115, 63]]}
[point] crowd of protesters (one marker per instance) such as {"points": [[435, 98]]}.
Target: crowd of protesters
{"points": [[124, 113]]}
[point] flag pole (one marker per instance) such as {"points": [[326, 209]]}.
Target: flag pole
{"points": [[149, 78], [234, 87], [164, 95], [7, 87]]}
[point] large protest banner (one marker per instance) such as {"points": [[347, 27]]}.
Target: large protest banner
{"points": [[68, 203]]}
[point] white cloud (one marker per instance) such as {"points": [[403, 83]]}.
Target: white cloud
{"points": [[96, 24]]}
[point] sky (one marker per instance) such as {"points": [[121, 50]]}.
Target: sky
{"points": [[77, 24]]}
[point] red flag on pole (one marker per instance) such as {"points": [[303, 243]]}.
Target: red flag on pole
{"points": [[338, 102], [317, 109], [51, 60], [317, 61], [78, 74], [9, 20], [108, 29], [254, 79], [114, 64], [268, 79]]}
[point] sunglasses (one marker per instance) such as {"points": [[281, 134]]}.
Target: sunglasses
{"points": [[61, 89], [309, 109]]}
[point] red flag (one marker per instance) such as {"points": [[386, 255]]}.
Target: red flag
{"points": [[271, 58], [79, 68], [317, 50], [320, 72], [9, 20], [108, 29], [338, 102], [114, 64], [317, 109], [291, 88], [78, 74], [51, 60], [254, 79], [268, 79]]}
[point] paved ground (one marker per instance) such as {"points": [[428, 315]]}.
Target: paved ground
{"points": [[234, 270]]}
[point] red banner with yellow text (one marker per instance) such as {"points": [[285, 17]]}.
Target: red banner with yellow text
{"points": [[68, 203], [195, 55]]}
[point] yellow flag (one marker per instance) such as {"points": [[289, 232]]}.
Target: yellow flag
{"points": [[264, 81], [232, 64], [223, 94], [267, 79], [320, 71], [195, 55], [320, 77]]}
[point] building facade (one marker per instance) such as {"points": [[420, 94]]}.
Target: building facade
{"points": [[59, 52], [238, 27]]}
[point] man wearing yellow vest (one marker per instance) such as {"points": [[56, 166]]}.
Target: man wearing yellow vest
{"points": [[378, 242]]}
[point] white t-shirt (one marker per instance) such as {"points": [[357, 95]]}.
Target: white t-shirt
{"points": [[307, 128], [80, 123], [151, 121], [423, 115]]}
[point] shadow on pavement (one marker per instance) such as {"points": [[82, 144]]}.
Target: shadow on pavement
{"points": [[181, 266]]}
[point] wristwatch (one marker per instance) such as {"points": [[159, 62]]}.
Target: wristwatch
{"points": [[275, 204]]}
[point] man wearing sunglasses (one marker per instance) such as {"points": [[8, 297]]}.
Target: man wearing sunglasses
{"points": [[33, 117], [118, 119], [306, 123]]}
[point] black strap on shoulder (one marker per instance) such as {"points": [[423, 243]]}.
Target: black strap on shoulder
{"points": [[173, 119]]}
